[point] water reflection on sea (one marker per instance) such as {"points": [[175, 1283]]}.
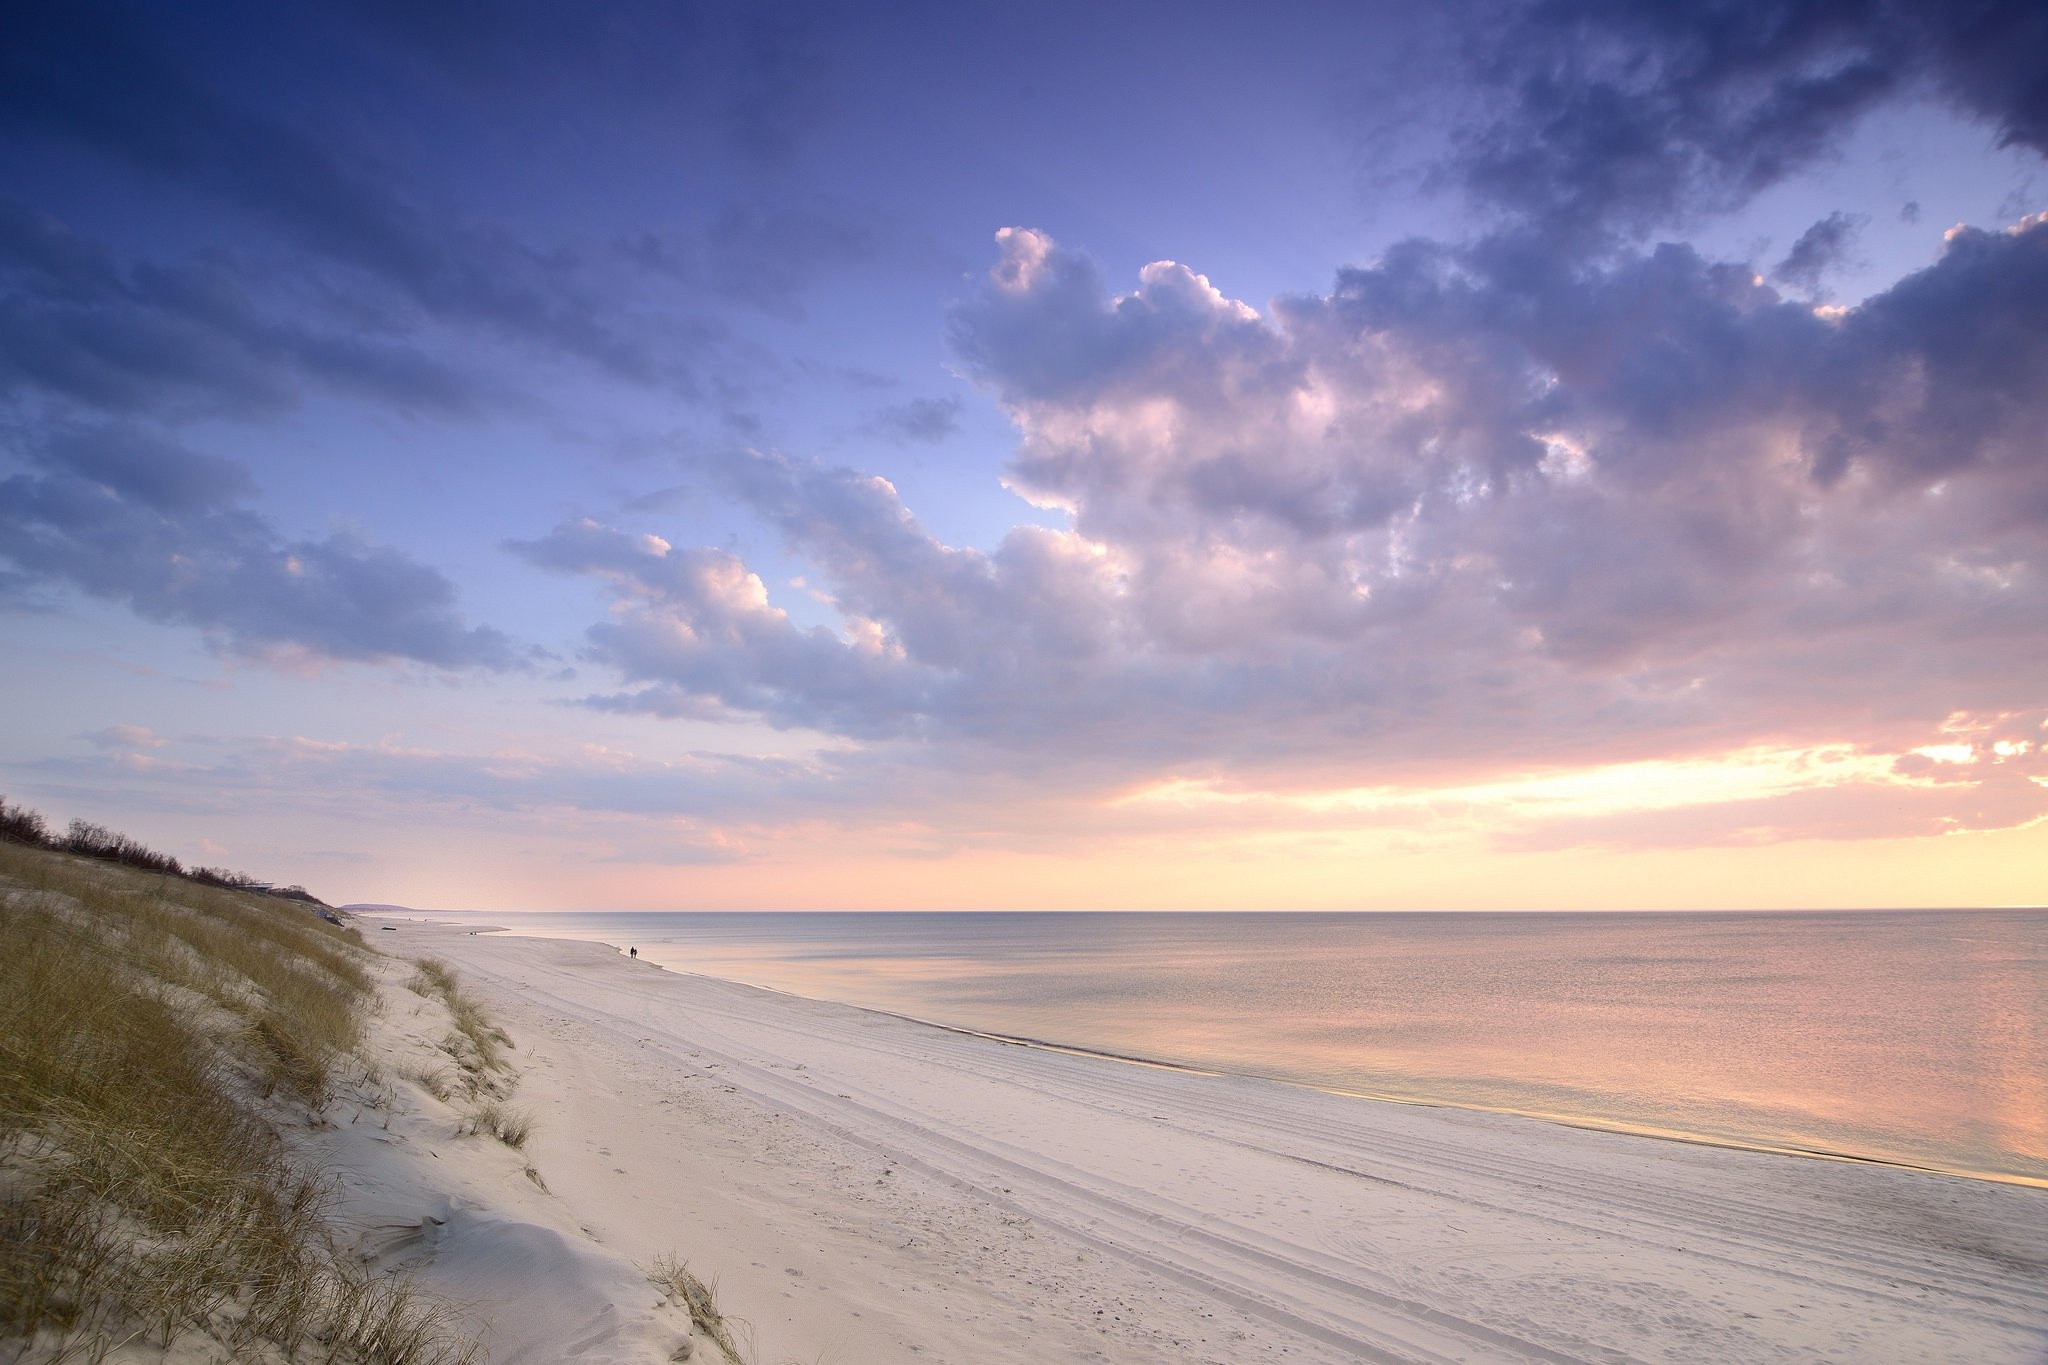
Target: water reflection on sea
{"points": [[1916, 1037]]}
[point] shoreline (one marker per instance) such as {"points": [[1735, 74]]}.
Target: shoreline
{"points": [[1588, 1123], [1585, 1122], [894, 1189]]}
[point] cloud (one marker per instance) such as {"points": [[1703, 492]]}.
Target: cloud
{"points": [[103, 77], [1463, 514], [1817, 251], [767, 255], [922, 420], [760, 252], [126, 738], [690, 809], [145, 337], [2000, 795], [758, 76], [122, 514], [697, 627], [1942, 372], [1593, 117]]}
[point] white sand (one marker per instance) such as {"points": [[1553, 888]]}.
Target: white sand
{"points": [[868, 1189]]}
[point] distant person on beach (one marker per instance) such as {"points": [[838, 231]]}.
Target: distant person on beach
{"points": [[632, 952]]}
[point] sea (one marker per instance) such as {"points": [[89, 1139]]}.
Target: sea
{"points": [[1918, 1038]]}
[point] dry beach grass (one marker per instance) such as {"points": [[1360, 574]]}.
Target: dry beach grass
{"points": [[209, 1149], [154, 1034], [682, 1286]]}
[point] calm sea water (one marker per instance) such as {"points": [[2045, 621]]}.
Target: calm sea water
{"points": [[1916, 1037]]}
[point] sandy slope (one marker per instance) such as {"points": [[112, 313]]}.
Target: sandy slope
{"points": [[867, 1189], [462, 1212]]}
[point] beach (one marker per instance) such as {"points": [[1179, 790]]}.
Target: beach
{"points": [[866, 1188]]}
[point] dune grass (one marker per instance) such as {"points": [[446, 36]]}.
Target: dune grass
{"points": [[477, 1045], [153, 1033], [676, 1281], [500, 1120], [437, 1081]]}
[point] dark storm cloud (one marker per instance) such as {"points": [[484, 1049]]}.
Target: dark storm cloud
{"points": [[121, 514], [1601, 115]]}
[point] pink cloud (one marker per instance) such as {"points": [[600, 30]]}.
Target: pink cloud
{"points": [[1461, 516]]}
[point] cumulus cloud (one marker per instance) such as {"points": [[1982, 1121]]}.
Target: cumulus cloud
{"points": [[1462, 513], [697, 629], [122, 514]]}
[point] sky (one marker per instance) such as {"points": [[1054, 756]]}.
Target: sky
{"points": [[747, 455]]}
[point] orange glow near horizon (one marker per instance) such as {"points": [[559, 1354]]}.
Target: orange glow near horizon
{"points": [[1657, 784], [1398, 867]]}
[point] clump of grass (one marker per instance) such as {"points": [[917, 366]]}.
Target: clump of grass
{"points": [[675, 1279], [432, 977], [151, 1031], [386, 1318], [477, 1044], [485, 1041], [500, 1120], [437, 1081], [474, 1048]]}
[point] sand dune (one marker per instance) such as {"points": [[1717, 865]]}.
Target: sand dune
{"points": [[419, 1191], [868, 1189]]}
